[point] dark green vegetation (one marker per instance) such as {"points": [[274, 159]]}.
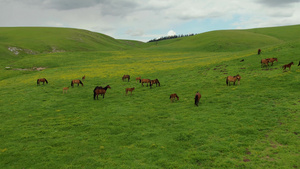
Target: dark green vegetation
{"points": [[252, 125]]}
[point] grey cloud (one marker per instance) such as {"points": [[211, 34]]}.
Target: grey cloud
{"points": [[278, 3]]}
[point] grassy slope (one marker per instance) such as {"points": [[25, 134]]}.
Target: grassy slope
{"points": [[256, 121]]}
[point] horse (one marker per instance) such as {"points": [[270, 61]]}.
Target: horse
{"points": [[41, 80], [197, 98], [138, 79], [173, 96], [287, 65], [258, 51], [126, 77], [65, 89], [265, 61], [155, 82], [271, 60], [145, 81], [233, 79], [299, 63], [83, 78], [100, 90], [129, 89], [76, 81]]}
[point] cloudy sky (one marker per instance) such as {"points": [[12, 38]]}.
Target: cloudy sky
{"points": [[148, 19]]}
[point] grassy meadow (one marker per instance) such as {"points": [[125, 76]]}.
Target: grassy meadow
{"points": [[251, 125]]}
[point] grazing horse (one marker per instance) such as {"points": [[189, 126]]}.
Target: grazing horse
{"points": [[155, 82], [258, 51], [265, 61], [197, 98], [173, 96], [126, 77], [271, 60], [41, 80], [287, 65], [233, 79], [83, 78], [100, 90], [76, 81], [138, 79], [130, 90], [145, 81], [65, 89]]}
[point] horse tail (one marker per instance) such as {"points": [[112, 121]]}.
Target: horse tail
{"points": [[80, 82], [94, 95], [140, 80], [72, 83], [227, 81], [37, 82], [196, 100], [46, 81]]}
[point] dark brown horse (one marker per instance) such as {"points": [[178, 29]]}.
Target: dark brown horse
{"points": [[173, 96], [258, 51], [197, 98], [155, 82], [233, 79], [129, 90], [126, 77], [100, 90], [265, 61], [138, 79], [145, 81], [271, 60], [76, 81], [41, 80], [83, 78], [288, 65]]}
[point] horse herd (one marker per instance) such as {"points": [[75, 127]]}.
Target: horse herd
{"points": [[99, 90]]}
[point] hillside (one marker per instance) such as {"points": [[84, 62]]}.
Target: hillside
{"points": [[253, 124]]}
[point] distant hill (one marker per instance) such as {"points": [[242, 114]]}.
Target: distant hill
{"points": [[36, 40], [232, 40]]}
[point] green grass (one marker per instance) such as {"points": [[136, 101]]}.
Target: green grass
{"points": [[251, 125]]}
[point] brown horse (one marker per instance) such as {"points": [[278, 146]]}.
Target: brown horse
{"points": [[100, 90], [287, 65], [129, 90], [126, 77], [83, 78], [265, 61], [233, 79], [271, 60], [173, 96], [155, 82], [197, 98], [65, 89], [41, 80], [258, 51], [145, 81], [138, 79], [76, 81]]}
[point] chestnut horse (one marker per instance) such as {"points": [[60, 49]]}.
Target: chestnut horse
{"points": [[76, 81], [41, 80], [65, 89], [145, 81], [100, 90], [129, 89], [271, 60], [265, 61], [138, 79], [287, 65], [155, 82], [233, 79], [258, 51], [173, 96], [126, 77], [197, 98]]}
